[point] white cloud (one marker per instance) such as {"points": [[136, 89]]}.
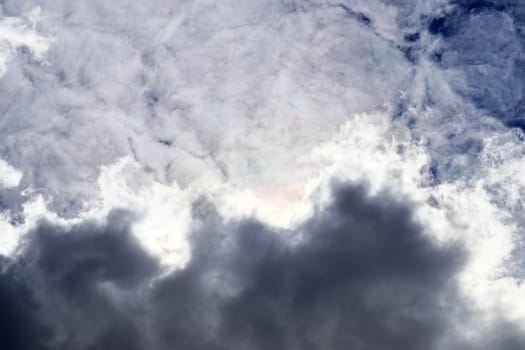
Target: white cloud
{"points": [[16, 33], [257, 105], [9, 176]]}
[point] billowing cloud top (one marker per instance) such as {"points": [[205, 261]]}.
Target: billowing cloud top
{"points": [[262, 174]]}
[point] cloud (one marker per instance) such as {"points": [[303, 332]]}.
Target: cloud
{"points": [[10, 177], [235, 92], [20, 324], [257, 106], [78, 275], [472, 45], [361, 275], [20, 34], [358, 273]]}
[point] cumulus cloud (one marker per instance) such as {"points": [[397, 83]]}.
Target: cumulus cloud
{"points": [[111, 108], [360, 273]]}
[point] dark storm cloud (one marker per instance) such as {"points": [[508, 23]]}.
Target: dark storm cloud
{"points": [[363, 276], [76, 277], [20, 327], [359, 274]]}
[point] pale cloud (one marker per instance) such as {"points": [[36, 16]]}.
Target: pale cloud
{"points": [[9, 176], [17, 33], [257, 108]]}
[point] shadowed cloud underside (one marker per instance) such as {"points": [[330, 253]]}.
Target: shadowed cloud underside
{"points": [[359, 273]]}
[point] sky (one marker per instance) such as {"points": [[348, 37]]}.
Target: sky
{"points": [[262, 174]]}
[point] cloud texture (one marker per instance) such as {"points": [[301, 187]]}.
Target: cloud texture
{"points": [[262, 174], [358, 274]]}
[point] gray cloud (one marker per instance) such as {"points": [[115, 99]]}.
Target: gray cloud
{"points": [[19, 321], [207, 88], [357, 274], [79, 274], [207, 85], [239, 91], [486, 42]]}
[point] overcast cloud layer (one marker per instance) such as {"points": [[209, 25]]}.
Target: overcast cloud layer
{"points": [[262, 174]]}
